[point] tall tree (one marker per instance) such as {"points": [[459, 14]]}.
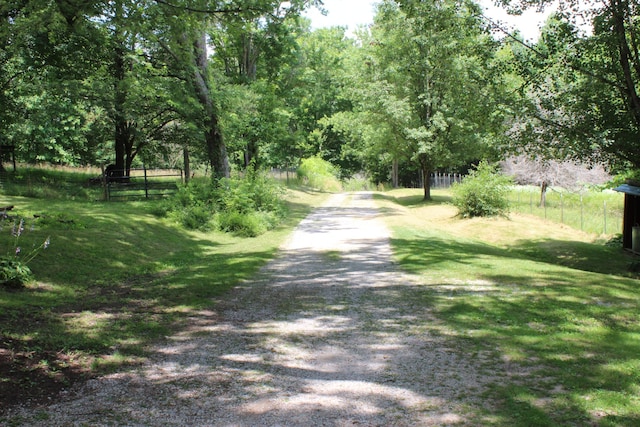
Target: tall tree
{"points": [[45, 53], [252, 51], [437, 56], [186, 40], [583, 80]]}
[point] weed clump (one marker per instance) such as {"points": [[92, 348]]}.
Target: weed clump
{"points": [[14, 265]]}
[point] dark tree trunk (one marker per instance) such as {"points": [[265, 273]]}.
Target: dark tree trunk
{"points": [[426, 171], [394, 174], [619, 11], [187, 164], [123, 130], [248, 62], [216, 149], [251, 154], [248, 72]]}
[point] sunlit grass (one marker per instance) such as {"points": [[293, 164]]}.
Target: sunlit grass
{"points": [[598, 212], [117, 277], [553, 304]]}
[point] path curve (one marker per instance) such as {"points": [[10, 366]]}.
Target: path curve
{"points": [[329, 334]]}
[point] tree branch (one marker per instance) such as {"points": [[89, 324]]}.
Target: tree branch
{"points": [[212, 11], [598, 77]]}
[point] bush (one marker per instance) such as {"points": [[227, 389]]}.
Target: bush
{"points": [[246, 206], [484, 192], [242, 224], [319, 173], [13, 273], [358, 184], [196, 217]]}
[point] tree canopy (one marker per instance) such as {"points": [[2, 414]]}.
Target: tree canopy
{"points": [[428, 86]]}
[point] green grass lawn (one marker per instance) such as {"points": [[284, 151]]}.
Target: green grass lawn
{"points": [[114, 279], [554, 307]]}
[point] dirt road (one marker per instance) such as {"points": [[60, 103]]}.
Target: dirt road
{"points": [[329, 334]]}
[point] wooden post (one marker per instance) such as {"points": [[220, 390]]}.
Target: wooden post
{"points": [[187, 164], [604, 209], [105, 186], [581, 213], [146, 183]]}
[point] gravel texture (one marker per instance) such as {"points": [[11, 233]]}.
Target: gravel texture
{"points": [[329, 334]]}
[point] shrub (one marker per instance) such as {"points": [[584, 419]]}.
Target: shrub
{"points": [[13, 273], [357, 184], [319, 173], [256, 192], [196, 217], [242, 224], [247, 206], [482, 193]]}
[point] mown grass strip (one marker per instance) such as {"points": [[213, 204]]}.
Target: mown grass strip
{"points": [[559, 311]]}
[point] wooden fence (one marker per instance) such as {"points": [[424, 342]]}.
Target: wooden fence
{"points": [[141, 183]]}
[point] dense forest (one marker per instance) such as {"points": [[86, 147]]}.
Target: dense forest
{"points": [[222, 84]]}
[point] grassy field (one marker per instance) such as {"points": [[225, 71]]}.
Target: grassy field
{"points": [[114, 279], [556, 309], [594, 212]]}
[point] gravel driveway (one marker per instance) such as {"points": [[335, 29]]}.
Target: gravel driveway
{"points": [[329, 334]]}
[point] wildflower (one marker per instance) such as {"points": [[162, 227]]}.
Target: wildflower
{"points": [[14, 264], [18, 228]]}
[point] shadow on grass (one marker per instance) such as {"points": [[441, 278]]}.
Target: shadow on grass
{"points": [[369, 360], [113, 281], [570, 335], [413, 200]]}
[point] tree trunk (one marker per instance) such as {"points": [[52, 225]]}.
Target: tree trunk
{"points": [[426, 171], [123, 129], [120, 144], [619, 9], [394, 174], [543, 194], [248, 62], [120, 96], [251, 154], [216, 149], [248, 72]]}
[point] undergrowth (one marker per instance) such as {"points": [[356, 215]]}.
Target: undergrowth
{"points": [[246, 206]]}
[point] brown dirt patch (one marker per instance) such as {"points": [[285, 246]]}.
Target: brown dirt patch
{"points": [[31, 375]]}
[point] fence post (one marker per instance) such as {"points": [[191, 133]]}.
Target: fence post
{"points": [[146, 183], [581, 214], [105, 185]]}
